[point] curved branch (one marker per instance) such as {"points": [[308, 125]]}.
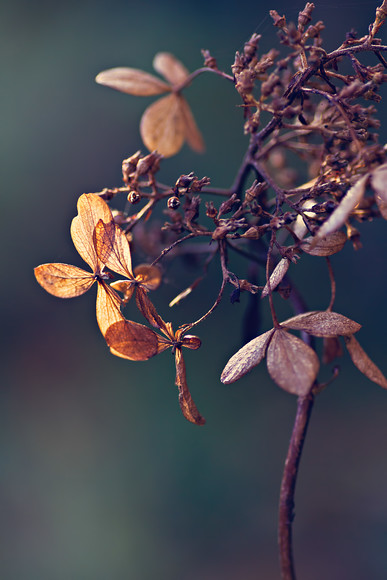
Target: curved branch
{"points": [[288, 486]]}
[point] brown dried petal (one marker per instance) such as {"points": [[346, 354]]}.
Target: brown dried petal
{"points": [[327, 246], [322, 323], [340, 215], [107, 307], [132, 81], [112, 248], [63, 280], [149, 276], [276, 276], [187, 405], [91, 209], [362, 361], [291, 363], [379, 185], [167, 65], [148, 310], [247, 357], [162, 126], [126, 287], [192, 134], [131, 340], [331, 349]]}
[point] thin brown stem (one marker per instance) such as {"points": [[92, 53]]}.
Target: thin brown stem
{"points": [[166, 250], [268, 261], [333, 284], [288, 486], [198, 72]]}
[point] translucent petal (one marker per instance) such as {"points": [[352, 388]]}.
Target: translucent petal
{"points": [[170, 68], [162, 126], [132, 81], [63, 280], [91, 209]]}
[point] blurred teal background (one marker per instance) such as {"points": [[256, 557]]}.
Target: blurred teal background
{"points": [[100, 476]]}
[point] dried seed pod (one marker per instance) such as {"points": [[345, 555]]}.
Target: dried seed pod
{"points": [[129, 165], [255, 190], [134, 197], [211, 210], [185, 181], [173, 202]]}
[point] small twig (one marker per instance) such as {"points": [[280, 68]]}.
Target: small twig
{"points": [[166, 250], [198, 72], [333, 284], [268, 261]]}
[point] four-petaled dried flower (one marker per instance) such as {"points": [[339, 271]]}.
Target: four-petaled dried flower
{"points": [[168, 122], [113, 250], [123, 340], [66, 281]]}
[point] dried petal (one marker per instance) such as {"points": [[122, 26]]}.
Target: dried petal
{"points": [[247, 357], [276, 276], [291, 363], [132, 81], [187, 405], [63, 280], [327, 246], [192, 134], [91, 209], [149, 276], [331, 350], [148, 310], [340, 215], [167, 65], [322, 323], [107, 307], [162, 126], [112, 248], [131, 340], [126, 287], [362, 361], [379, 185]]}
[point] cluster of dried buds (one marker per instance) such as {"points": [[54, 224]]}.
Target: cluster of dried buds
{"points": [[317, 114]]}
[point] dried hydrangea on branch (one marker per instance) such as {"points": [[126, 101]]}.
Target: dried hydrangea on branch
{"points": [[315, 111]]}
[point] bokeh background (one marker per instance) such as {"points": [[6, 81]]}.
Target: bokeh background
{"points": [[100, 476]]}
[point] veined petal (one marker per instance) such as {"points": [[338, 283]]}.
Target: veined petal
{"points": [[149, 276], [131, 340], [132, 81], [148, 310], [126, 287], [112, 248], [291, 363], [167, 65], [91, 209], [63, 280], [107, 307], [192, 134], [186, 402], [162, 126]]}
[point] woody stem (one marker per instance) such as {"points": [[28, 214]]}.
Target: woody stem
{"points": [[288, 485]]}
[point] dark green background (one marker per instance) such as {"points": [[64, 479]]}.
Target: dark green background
{"points": [[100, 476]]}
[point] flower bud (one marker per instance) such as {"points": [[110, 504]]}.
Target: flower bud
{"points": [[173, 202], [134, 197]]}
